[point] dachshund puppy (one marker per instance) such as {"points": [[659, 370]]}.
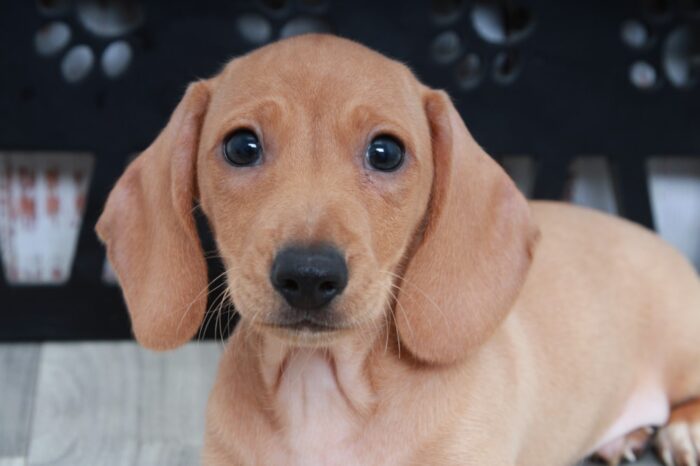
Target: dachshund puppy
{"points": [[401, 303]]}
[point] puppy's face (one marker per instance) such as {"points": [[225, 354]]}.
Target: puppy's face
{"points": [[315, 160], [314, 182]]}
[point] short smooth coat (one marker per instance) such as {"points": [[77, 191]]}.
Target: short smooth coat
{"points": [[476, 328]]}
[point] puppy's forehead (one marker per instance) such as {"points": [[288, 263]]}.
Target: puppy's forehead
{"points": [[317, 72]]}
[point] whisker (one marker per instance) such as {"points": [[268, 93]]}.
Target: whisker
{"points": [[387, 322], [427, 297], [393, 316], [205, 289], [232, 311], [224, 303], [217, 315], [211, 313]]}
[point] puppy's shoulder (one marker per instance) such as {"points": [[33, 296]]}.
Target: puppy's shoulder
{"points": [[569, 229]]}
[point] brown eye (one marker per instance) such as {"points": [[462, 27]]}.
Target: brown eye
{"points": [[242, 148], [385, 153]]}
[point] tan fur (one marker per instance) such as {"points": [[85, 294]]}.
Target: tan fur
{"points": [[475, 328]]}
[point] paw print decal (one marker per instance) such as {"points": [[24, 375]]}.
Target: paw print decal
{"points": [[278, 19], [664, 40], [500, 24], [108, 22]]}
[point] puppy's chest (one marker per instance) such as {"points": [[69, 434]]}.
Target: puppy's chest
{"points": [[319, 423]]}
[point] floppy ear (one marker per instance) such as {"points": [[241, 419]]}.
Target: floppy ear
{"points": [[475, 250], [150, 233]]}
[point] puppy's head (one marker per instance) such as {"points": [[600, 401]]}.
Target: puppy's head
{"points": [[342, 194]]}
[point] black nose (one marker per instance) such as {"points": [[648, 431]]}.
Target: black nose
{"points": [[309, 278]]}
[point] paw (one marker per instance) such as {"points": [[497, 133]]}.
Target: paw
{"points": [[625, 449], [678, 442]]}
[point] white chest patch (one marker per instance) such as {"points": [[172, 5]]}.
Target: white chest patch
{"points": [[319, 422]]}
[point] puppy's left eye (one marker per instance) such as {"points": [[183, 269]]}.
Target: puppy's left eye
{"points": [[385, 153], [242, 148]]}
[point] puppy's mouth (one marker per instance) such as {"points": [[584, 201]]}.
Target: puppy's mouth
{"points": [[307, 324]]}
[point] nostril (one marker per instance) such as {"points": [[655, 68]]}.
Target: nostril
{"points": [[290, 285], [328, 287]]}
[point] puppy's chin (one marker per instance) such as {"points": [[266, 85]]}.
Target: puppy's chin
{"points": [[299, 329], [305, 336]]}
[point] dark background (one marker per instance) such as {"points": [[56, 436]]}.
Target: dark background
{"points": [[551, 79]]}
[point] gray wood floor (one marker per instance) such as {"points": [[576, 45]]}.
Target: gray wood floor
{"points": [[105, 404]]}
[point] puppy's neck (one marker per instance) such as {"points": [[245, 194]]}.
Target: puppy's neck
{"points": [[288, 369], [318, 393]]}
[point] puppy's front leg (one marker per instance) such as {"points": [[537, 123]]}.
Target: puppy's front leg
{"points": [[627, 448], [678, 442]]}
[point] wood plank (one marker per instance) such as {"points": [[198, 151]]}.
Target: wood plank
{"points": [[18, 461], [18, 373], [174, 403], [117, 404]]}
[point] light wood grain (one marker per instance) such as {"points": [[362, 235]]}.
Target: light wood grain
{"points": [[115, 404], [18, 373], [19, 461]]}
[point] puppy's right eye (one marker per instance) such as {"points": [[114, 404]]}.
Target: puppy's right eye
{"points": [[242, 148], [385, 153]]}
